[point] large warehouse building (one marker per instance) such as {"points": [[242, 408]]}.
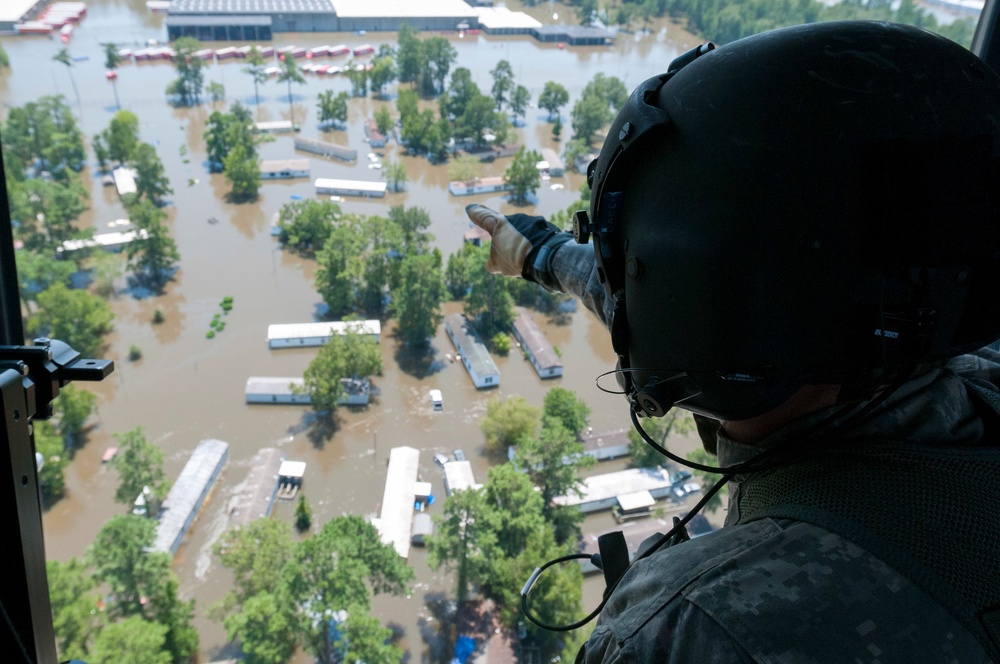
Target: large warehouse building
{"points": [[230, 19]]}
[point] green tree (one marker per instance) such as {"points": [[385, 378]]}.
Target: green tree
{"points": [[464, 539], [224, 131], [37, 271], [383, 72], [328, 573], [121, 560], [553, 461], [256, 554], [306, 225], [478, 119], [338, 265], [416, 303], [72, 408], [600, 100], [410, 56], [4, 58], [503, 82], [242, 173], [45, 131], [461, 90], [563, 405], [351, 355], [65, 58], [412, 223], [132, 641], [153, 254], [676, 421], [74, 606], [489, 301], [122, 136], [358, 76], [74, 316], [303, 514], [557, 128], [140, 464], [395, 175], [151, 180], [268, 632], [522, 175], [363, 638], [111, 62], [216, 91], [50, 445], [507, 422], [440, 57], [45, 211], [289, 72], [332, 109], [190, 81], [255, 69], [519, 102], [105, 269], [383, 119]]}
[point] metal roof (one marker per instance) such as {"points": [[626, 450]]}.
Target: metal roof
{"points": [[536, 343], [402, 8], [498, 18], [188, 492], [227, 20], [396, 520], [470, 346], [251, 6], [307, 330]]}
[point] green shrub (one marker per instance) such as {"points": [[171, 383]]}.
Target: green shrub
{"points": [[158, 317], [210, 334], [134, 353], [500, 343]]}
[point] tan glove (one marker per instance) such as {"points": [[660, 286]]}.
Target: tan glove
{"points": [[516, 239]]}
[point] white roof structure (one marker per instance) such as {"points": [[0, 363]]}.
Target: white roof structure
{"points": [[351, 185], [395, 523], [12, 10], [458, 476], [611, 485], [293, 469], [401, 8], [635, 501], [497, 18], [105, 240], [124, 180], [188, 493], [299, 330]]}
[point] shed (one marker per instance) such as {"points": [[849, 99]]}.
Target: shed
{"points": [[554, 165], [124, 180], [458, 476], [475, 357], [291, 472]]}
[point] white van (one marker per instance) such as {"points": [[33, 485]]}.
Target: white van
{"points": [[436, 401]]}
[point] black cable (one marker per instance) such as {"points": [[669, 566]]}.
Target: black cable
{"points": [[755, 464], [17, 637], [577, 556]]}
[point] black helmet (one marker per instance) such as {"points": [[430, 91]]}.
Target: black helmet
{"points": [[816, 204]]}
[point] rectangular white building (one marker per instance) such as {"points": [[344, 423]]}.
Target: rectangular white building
{"points": [[363, 188], [297, 335], [475, 357], [277, 169]]}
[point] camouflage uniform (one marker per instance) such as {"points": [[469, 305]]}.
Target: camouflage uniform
{"points": [[769, 588]]}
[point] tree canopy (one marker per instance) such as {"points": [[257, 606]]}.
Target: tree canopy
{"points": [[522, 175], [140, 464], [347, 356]]}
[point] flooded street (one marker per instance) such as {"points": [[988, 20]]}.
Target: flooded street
{"points": [[187, 387]]}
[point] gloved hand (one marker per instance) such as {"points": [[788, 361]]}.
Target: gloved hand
{"points": [[517, 240]]}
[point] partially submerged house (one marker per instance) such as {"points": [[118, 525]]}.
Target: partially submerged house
{"points": [[536, 347], [297, 335], [472, 351]]}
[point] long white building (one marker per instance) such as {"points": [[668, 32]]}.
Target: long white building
{"points": [[298, 335]]}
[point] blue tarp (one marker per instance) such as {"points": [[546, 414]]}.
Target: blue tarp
{"points": [[464, 647]]}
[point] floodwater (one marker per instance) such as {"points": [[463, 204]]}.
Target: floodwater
{"points": [[187, 387]]}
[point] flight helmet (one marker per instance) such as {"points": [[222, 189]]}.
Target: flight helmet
{"points": [[812, 205]]}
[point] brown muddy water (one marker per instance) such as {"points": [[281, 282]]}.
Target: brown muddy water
{"points": [[186, 387]]}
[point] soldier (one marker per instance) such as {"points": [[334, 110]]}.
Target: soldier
{"points": [[796, 236]]}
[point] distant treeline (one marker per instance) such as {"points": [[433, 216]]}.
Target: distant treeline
{"points": [[724, 21]]}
